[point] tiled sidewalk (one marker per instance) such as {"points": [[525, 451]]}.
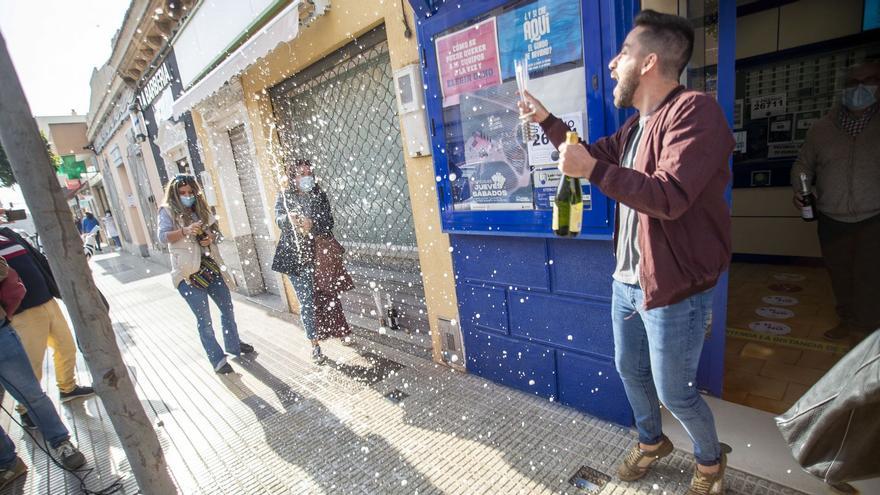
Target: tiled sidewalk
{"points": [[283, 425]]}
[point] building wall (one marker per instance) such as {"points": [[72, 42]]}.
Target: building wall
{"points": [[346, 20], [68, 139], [126, 186]]}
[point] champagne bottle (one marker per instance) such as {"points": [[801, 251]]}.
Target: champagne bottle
{"points": [[568, 205], [808, 210]]}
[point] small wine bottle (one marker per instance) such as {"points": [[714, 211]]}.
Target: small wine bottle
{"points": [[568, 205], [808, 200]]}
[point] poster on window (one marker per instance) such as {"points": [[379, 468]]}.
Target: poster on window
{"points": [[495, 164], [546, 180], [546, 33], [468, 60], [541, 150]]}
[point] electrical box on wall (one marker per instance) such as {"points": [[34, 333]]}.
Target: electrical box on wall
{"points": [[411, 105], [208, 188], [451, 344]]}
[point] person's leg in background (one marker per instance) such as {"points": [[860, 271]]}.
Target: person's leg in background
{"points": [[303, 285], [32, 326], [866, 295], [837, 241], [18, 379], [64, 354], [11, 466]]}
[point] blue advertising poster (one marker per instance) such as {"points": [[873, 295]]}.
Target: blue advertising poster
{"points": [[547, 33], [872, 15], [546, 181]]}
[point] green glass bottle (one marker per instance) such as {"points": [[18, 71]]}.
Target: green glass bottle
{"points": [[568, 205]]}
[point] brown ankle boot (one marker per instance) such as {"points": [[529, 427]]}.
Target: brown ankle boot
{"points": [[638, 462]]}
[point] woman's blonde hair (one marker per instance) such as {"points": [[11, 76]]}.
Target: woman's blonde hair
{"points": [[179, 212]]}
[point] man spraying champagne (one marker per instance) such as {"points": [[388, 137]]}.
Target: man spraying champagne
{"points": [[667, 167]]}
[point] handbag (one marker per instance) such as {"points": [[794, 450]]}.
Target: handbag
{"points": [[207, 271], [833, 429], [331, 277]]}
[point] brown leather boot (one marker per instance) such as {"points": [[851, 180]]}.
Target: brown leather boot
{"points": [[638, 462]]}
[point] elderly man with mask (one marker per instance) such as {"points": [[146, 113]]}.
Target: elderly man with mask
{"points": [[840, 154]]}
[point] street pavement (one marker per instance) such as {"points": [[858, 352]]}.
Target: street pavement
{"points": [[374, 420]]}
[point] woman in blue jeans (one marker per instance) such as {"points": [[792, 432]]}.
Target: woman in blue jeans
{"points": [[189, 229], [302, 212]]}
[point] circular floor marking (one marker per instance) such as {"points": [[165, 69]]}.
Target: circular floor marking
{"points": [[783, 287], [780, 300], [774, 312], [770, 327]]}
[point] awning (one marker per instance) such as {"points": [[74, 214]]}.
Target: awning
{"points": [[281, 29]]}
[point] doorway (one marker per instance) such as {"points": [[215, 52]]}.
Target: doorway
{"points": [[791, 68]]}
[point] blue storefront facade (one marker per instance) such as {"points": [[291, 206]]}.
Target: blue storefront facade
{"points": [[535, 309]]}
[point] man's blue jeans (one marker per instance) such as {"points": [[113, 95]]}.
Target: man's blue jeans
{"points": [[18, 379], [197, 299], [304, 286], [657, 352]]}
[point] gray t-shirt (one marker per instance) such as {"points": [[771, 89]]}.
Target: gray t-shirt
{"points": [[628, 255]]}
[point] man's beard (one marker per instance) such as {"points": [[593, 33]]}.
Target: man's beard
{"points": [[627, 84]]}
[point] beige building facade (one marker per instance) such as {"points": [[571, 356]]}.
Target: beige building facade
{"points": [[343, 57]]}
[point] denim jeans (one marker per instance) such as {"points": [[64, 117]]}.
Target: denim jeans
{"points": [[18, 379], [656, 352], [304, 286], [197, 298]]}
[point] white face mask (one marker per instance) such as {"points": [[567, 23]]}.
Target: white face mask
{"points": [[306, 183], [859, 97], [188, 201]]}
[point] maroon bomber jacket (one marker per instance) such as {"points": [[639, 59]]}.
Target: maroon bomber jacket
{"points": [[677, 186]]}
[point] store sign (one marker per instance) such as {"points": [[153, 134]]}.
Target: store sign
{"points": [[541, 150], [783, 150], [803, 122], [154, 86], [545, 34], [546, 181], [768, 105], [492, 164], [468, 60], [741, 138], [738, 113]]}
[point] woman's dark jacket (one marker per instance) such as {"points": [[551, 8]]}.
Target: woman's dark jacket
{"points": [[295, 250]]}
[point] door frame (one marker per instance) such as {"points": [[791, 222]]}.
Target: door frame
{"points": [[710, 376], [221, 113]]}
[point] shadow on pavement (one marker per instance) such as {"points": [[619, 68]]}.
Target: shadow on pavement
{"points": [[308, 435]]}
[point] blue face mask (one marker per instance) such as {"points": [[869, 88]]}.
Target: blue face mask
{"points": [[859, 97], [306, 183], [188, 201]]}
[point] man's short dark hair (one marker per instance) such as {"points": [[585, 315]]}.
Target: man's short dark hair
{"points": [[669, 36]]}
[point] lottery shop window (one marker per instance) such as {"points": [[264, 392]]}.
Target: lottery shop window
{"points": [[495, 164]]}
